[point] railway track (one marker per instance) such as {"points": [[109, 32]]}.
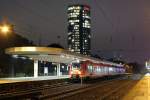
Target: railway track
{"points": [[29, 93], [61, 90], [25, 85], [111, 94], [120, 92], [106, 91], [68, 91]]}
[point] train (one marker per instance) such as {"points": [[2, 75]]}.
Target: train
{"points": [[89, 69]]}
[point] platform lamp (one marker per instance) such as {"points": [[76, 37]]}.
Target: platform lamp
{"points": [[6, 28]]}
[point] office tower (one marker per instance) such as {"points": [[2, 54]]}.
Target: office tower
{"points": [[79, 26]]}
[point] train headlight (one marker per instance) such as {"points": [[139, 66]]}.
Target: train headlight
{"points": [[79, 72], [71, 72]]}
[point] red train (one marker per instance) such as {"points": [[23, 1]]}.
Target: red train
{"points": [[89, 69]]}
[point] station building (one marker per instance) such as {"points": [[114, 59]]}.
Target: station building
{"points": [[57, 61]]}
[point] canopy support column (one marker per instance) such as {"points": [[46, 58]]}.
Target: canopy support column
{"points": [[35, 68], [58, 69]]}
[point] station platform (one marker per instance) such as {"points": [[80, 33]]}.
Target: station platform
{"points": [[24, 79], [141, 90]]}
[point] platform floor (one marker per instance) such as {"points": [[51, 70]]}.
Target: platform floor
{"points": [[23, 79], [141, 90]]}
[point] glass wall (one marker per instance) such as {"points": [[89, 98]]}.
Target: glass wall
{"points": [[64, 69], [50, 69], [24, 67], [47, 68], [19, 67]]}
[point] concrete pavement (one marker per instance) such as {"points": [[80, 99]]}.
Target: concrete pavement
{"points": [[141, 91]]}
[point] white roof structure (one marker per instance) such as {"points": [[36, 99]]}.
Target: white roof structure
{"points": [[53, 55]]}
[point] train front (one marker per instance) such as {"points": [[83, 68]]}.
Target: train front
{"points": [[75, 71]]}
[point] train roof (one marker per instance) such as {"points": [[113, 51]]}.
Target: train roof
{"points": [[53, 55]]}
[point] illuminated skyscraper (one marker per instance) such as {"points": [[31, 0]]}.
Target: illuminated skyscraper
{"points": [[79, 26]]}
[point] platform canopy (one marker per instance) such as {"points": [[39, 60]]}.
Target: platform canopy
{"points": [[52, 55]]}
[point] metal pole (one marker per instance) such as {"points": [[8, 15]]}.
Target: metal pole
{"points": [[81, 80]]}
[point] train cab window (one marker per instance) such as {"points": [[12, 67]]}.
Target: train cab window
{"points": [[76, 66]]}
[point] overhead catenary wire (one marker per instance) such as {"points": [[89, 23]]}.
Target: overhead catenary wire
{"points": [[27, 28], [32, 12]]}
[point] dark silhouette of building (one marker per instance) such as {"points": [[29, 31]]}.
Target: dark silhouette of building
{"points": [[7, 61], [79, 25]]}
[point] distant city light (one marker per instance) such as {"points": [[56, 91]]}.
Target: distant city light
{"points": [[147, 64]]}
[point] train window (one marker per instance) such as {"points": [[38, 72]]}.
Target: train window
{"points": [[99, 69], [90, 68], [110, 69], [96, 69], [105, 70]]}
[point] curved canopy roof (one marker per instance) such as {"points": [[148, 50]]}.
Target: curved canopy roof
{"points": [[53, 55]]}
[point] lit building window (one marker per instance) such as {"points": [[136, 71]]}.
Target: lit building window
{"points": [[72, 23], [72, 40], [69, 33], [69, 38], [89, 36]]}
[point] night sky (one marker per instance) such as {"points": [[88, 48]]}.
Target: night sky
{"points": [[120, 28]]}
